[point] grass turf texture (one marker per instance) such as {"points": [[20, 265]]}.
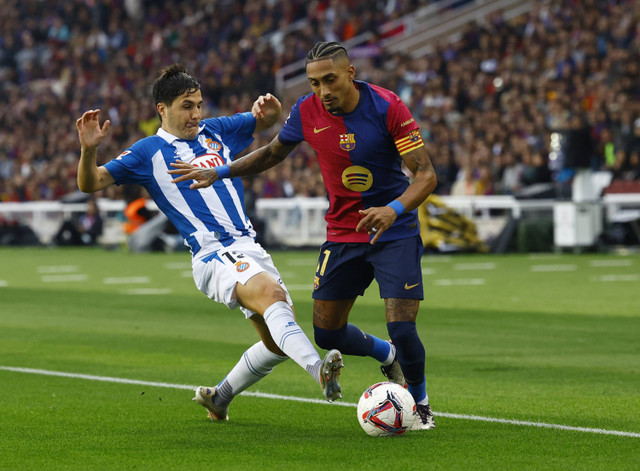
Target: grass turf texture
{"points": [[505, 338]]}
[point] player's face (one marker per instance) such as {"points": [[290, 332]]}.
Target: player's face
{"points": [[332, 81], [182, 117]]}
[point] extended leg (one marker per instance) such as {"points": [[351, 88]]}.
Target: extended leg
{"points": [[263, 295], [401, 324], [332, 331], [256, 363]]}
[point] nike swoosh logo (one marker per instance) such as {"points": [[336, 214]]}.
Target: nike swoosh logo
{"points": [[406, 286], [316, 130]]}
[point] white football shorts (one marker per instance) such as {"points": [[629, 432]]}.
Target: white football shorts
{"points": [[217, 274]]}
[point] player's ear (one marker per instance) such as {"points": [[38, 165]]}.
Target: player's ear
{"points": [[161, 108], [352, 72]]}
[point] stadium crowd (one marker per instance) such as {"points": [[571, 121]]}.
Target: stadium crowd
{"points": [[487, 102]]}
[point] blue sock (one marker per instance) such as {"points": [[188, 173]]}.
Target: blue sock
{"points": [[410, 353], [419, 391], [381, 349], [352, 341]]}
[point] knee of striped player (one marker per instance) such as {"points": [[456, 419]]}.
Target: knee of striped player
{"points": [[273, 293], [409, 348]]}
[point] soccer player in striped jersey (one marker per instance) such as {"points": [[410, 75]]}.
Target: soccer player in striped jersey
{"points": [[228, 265], [362, 134]]}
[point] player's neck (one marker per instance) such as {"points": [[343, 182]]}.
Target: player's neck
{"points": [[351, 102]]}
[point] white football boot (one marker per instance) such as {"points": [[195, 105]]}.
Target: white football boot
{"points": [[424, 418], [204, 397], [329, 372]]}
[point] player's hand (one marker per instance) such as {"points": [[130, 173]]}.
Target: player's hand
{"points": [[203, 177], [267, 110], [90, 132], [376, 220]]}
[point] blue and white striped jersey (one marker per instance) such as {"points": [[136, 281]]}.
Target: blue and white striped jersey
{"points": [[209, 218]]}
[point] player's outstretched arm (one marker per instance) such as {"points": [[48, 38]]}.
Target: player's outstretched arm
{"points": [[91, 178], [376, 220], [267, 111], [251, 164]]}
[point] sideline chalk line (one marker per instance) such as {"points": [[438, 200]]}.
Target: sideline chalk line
{"points": [[109, 379]]}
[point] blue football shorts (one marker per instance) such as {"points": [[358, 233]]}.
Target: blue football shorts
{"points": [[346, 269]]}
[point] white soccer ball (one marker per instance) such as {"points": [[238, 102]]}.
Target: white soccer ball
{"points": [[386, 409]]}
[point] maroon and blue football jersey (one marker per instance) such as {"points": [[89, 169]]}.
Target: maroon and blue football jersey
{"points": [[359, 154]]}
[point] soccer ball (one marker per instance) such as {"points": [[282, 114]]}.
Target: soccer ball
{"points": [[386, 409]]}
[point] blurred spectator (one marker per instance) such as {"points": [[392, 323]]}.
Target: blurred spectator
{"points": [[632, 170], [492, 95], [536, 170], [512, 174], [135, 212], [465, 184], [82, 229]]}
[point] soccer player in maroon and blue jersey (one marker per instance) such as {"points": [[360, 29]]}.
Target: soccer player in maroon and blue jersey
{"points": [[362, 134]]}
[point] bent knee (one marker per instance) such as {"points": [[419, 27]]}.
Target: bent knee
{"points": [[260, 292], [323, 338], [327, 339], [402, 332]]}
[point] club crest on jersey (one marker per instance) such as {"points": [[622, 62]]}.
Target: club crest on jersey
{"points": [[347, 142], [213, 145], [357, 178], [242, 266]]}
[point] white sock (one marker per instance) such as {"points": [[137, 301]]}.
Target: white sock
{"points": [[291, 338], [392, 355], [256, 363]]}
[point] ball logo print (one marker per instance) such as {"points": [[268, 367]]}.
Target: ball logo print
{"points": [[357, 178], [386, 409]]}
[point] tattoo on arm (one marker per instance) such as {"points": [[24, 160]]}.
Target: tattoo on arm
{"points": [[418, 161], [261, 159]]}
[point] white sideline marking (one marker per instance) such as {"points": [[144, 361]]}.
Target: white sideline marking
{"points": [[186, 274], [177, 266], [57, 269], [113, 280], [606, 278], [428, 271], [543, 256], [474, 266], [461, 282], [538, 424], [148, 291], [4, 283], [439, 259], [610, 263], [109, 379], [545, 268], [64, 278]]}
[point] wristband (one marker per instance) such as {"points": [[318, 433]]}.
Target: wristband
{"points": [[223, 171], [397, 206]]}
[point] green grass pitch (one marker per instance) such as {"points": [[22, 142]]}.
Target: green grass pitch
{"points": [[547, 345]]}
